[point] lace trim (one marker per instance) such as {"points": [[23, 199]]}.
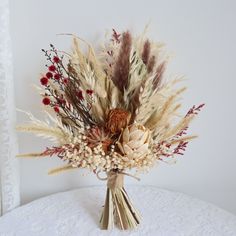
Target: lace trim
{"points": [[9, 175]]}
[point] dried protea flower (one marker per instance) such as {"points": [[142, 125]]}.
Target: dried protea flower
{"points": [[96, 136], [117, 120], [134, 142]]}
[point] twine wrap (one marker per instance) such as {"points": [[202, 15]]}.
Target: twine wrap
{"points": [[115, 180]]}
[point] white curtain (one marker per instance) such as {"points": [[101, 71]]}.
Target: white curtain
{"points": [[9, 176]]}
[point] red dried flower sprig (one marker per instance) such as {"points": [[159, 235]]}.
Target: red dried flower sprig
{"points": [[194, 110], [166, 149], [62, 76], [115, 36], [180, 148], [56, 69], [57, 151]]}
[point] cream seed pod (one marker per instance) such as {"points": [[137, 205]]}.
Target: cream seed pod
{"points": [[134, 142]]}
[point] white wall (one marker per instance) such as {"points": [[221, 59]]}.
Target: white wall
{"points": [[202, 34]]}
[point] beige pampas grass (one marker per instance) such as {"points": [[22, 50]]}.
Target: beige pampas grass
{"points": [[162, 115], [180, 125], [54, 131]]}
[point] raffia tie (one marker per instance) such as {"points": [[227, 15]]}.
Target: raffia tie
{"points": [[115, 179]]}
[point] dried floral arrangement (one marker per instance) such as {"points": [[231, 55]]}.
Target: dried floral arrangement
{"points": [[115, 111]]}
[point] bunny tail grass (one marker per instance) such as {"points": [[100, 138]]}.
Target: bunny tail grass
{"points": [[31, 155], [60, 169]]}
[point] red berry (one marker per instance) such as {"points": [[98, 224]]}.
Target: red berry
{"points": [[57, 76], [61, 101], [89, 91], [49, 75], [46, 101], [56, 59], [80, 95], [65, 80], [52, 68], [44, 81], [56, 109]]}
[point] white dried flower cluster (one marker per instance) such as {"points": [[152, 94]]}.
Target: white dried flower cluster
{"points": [[80, 154], [93, 158], [140, 164]]}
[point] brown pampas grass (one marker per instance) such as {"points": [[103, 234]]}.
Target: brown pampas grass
{"points": [[146, 52], [122, 65], [159, 75], [151, 64]]}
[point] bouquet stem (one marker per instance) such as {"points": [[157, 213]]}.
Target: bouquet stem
{"points": [[118, 208]]}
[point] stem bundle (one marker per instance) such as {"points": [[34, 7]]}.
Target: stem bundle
{"points": [[118, 208]]}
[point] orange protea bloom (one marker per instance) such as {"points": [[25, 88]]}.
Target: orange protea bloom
{"points": [[117, 120], [96, 136]]}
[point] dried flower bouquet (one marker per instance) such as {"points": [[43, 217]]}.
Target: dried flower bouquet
{"points": [[114, 112]]}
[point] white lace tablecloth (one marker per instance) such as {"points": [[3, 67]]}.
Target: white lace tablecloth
{"points": [[77, 213]]}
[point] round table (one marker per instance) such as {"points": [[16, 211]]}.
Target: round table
{"points": [[77, 213]]}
